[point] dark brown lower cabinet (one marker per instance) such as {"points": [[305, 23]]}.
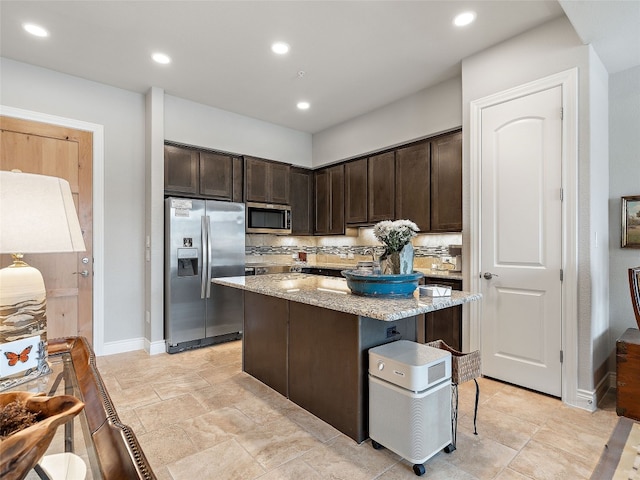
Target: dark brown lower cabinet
{"points": [[328, 363], [265, 339], [316, 357], [445, 324]]}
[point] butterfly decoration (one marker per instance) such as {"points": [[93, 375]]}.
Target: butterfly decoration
{"points": [[15, 357]]}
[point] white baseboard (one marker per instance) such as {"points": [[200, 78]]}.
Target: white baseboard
{"points": [[586, 399], [589, 399], [154, 348], [607, 382], [130, 345], [133, 344]]}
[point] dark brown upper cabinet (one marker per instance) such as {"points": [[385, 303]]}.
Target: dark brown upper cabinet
{"points": [[199, 173], [266, 181], [181, 170], [446, 183], [301, 196], [329, 204], [381, 187], [216, 175], [413, 184], [370, 189], [356, 187]]}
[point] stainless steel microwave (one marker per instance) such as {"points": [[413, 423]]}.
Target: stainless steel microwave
{"points": [[268, 218]]}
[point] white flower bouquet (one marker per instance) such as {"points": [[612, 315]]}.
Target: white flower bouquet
{"points": [[395, 235]]}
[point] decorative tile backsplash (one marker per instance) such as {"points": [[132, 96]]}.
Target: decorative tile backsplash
{"points": [[419, 251], [429, 248]]}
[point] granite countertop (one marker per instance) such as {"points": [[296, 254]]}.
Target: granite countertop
{"points": [[332, 293], [344, 266], [426, 271]]}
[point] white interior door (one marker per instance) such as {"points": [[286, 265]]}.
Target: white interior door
{"points": [[521, 241]]}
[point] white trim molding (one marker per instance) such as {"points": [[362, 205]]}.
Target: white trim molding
{"points": [[568, 81], [98, 207], [155, 348]]}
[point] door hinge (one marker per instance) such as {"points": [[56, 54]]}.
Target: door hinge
{"points": [[562, 194], [561, 113], [561, 275], [561, 356]]}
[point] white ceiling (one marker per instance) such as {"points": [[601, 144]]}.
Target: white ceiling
{"points": [[356, 55]]}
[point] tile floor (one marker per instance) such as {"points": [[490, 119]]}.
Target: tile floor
{"points": [[198, 416]]}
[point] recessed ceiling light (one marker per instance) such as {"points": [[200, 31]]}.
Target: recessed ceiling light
{"points": [[464, 19], [161, 58], [303, 105], [280, 48], [36, 30]]}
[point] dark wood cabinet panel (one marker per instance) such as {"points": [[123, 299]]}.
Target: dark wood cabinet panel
{"points": [[329, 200], [381, 187], [265, 340], [279, 183], [445, 324], [328, 363], [216, 176], [322, 210], [446, 183], [355, 186], [189, 171], [301, 196], [413, 184], [336, 180], [266, 181], [256, 182], [181, 170], [238, 180]]}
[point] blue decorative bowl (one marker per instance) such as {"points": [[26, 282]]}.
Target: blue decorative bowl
{"points": [[382, 285]]}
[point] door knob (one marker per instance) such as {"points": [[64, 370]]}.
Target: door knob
{"points": [[84, 273], [489, 275]]}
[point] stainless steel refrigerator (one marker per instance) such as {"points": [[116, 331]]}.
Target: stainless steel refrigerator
{"points": [[204, 239]]}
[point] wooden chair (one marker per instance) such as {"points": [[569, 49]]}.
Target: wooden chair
{"points": [[634, 286]]}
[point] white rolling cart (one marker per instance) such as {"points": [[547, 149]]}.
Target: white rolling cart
{"points": [[410, 400]]}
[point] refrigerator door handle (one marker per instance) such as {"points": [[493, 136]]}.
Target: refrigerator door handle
{"points": [[208, 256], [204, 240]]}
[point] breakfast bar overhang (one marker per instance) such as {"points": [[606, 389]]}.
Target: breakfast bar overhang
{"points": [[307, 337]]}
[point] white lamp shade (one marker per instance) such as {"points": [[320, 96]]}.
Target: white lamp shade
{"points": [[37, 215]]}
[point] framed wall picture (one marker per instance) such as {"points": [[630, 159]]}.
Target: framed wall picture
{"points": [[631, 222]]}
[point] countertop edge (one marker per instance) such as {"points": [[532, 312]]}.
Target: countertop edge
{"points": [[385, 309]]}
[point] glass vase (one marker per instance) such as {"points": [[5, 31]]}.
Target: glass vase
{"points": [[398, 263]]}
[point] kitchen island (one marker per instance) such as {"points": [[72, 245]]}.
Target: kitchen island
{"points": [[307, 337]]}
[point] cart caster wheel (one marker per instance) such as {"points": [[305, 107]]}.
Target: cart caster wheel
{"points": [[449, 448], [419, 469], [376, 445]]}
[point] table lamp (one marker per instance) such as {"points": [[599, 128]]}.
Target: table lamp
{"points": [[37, 215]]}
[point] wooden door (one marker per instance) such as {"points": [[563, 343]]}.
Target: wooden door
{"points": [[521, 241], [63, 152]]}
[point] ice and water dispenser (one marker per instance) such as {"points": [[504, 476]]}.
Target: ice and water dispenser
{"points": [[187, 262]]}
